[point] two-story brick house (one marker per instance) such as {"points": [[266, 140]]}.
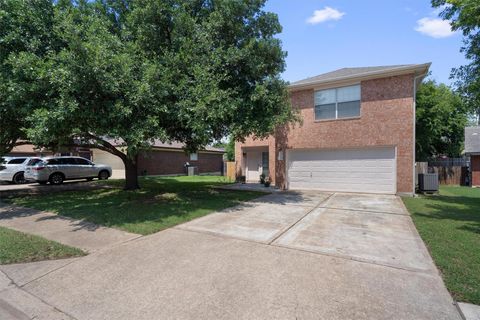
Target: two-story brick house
{"points": [[357, 134]]}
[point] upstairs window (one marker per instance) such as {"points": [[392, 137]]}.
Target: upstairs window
{"points": [[337, 103], [194, 156]]}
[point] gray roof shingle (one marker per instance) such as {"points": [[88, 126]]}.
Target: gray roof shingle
{"points": [[170, 145], [350, 72], [472, 139]]}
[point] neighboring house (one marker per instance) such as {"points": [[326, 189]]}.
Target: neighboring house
{"points": [[357, 134], [29, 150], [165, 159], [161, 159], [472, 149]]}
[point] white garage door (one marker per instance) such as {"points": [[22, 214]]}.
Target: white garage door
{"points": [[370, 170]]}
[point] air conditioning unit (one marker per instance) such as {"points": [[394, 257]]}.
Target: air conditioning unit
{"points": [[428, 182]]}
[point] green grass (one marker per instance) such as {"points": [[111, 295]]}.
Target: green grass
{"points": [[162, 202], [449, 224], [19, 247]]}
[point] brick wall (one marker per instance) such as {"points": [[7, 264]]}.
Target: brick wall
{"points": [[475, 165], [386, 119], [162, 162]]}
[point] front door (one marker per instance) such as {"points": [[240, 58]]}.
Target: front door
{"points": [[254, 166]]}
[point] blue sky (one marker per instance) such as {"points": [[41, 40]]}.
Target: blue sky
{"points": [[324, 35]]}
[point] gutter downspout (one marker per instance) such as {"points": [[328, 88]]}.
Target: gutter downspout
{"points": [[414, 125]]}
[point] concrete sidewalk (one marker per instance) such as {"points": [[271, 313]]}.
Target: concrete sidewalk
{"points": [[18, 304], [179, 274], [76, 233]]}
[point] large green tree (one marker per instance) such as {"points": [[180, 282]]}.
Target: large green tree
{"points": [[441, 116], [26, 38], [464, 15], [135, 71]]}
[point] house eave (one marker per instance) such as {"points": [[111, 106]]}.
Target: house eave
{"points": [[419, 69]]}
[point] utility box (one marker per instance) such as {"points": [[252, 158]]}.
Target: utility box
{"points": [[428, 182], [192, 171]]}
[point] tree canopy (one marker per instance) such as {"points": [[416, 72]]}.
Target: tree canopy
{"points": [[464, 16], [441, 116], [135, 71], [26, 39]]}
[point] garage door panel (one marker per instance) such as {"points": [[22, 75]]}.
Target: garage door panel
{"points": [[353, 170], [354, 187], [346, 176], [345, 180], [342, 170], [325, 166], [348, 155]]}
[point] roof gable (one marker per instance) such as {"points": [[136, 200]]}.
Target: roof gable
{"points": [[472, 139]]}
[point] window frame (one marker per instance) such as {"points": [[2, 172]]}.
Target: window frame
{"points": [[194, 156], [337, 103]]}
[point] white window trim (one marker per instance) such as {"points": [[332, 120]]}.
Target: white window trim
{"points": [[336, 103], [194, 156]]}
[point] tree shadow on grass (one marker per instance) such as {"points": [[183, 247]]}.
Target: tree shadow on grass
{"points": [[160, 204], [457, 208]]}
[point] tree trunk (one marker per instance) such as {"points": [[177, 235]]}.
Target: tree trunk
{"points": [[131, 175]]}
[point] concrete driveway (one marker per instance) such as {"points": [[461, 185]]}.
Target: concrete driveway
{"points": [[283, 256], [370, 228]]}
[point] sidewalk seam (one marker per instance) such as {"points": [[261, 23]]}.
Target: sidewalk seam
{"points": [[301, 218]]}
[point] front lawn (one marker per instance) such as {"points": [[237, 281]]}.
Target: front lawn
{"points": [[161, 203], [19, 247], [449, 224]]}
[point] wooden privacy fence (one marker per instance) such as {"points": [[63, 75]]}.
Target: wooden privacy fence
{"points": [[455, 175], [229, 170], [449, 162]]}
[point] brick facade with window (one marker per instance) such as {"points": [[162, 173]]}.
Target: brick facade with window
{"points": [[385, 119]]}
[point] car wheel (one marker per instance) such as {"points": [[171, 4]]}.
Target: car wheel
{"points": [[103, 175], [56, 178], [18, 178]]}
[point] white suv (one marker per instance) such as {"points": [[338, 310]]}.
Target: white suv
{"points": [[58, 169], [12, 168]]}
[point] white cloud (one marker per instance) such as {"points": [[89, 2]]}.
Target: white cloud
{"points": [[326, 14], [434, 27]]}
